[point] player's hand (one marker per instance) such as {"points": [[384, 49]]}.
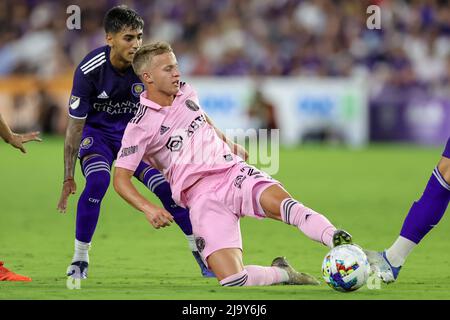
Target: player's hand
{"points": [[69, 187], [158, 217], [18, 140]]}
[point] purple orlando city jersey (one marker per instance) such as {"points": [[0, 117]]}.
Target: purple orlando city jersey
{"points": [[104, 97]]}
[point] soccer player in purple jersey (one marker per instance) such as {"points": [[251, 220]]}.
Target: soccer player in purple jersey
{"points": [[423, 215], [105, 96]]}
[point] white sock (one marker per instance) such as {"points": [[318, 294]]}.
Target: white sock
{"points": [[81, 251], [399, 251], [191, 242]]}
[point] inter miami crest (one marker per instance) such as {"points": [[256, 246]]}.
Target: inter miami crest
{"points": [[200, 243], [192, 105]]}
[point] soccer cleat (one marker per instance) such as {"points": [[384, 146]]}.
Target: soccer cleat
{"points": [[7, 275], [380, 265], [295, 277], [78, 270], [341, 237], [206, 273]]}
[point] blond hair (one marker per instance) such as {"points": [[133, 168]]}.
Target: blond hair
{"points": [[144, 55]]}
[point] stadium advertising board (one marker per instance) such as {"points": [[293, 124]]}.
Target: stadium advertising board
{"points": [[334, 109]]}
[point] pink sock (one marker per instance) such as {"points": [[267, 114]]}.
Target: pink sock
{"points": [[256, 276], [314, 225]]}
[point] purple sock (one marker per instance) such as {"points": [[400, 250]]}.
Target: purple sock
{"points": [[428, 210], [97, 173], [155, 181]]}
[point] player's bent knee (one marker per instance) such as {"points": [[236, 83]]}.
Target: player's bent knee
{"points": [[162, 189], [99, 180], [226, 262], [97, 172], [271, 200]]}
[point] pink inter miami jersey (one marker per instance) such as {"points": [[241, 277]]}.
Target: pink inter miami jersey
{"points": [[177, 140]]}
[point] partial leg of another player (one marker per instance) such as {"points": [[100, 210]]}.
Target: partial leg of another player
{"points": [[155, 181], [96, 169], [423, 216], [279, 205], [8, 275]]}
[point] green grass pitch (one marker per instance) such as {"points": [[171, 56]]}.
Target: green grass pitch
{"points": [[368, 192]]}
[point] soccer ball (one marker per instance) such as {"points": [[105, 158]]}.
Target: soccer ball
{"points": [[346, 268]]}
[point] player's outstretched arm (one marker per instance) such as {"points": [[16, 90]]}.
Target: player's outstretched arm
{"points": [[72, 141], [158, 217], [14, 139], [235, 148]]}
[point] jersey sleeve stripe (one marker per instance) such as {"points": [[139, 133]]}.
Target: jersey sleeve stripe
{"points": [[95, 66], [72, 116], [139, 117], [92, 61], [139, 114]]}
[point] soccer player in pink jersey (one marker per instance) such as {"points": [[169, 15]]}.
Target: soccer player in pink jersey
{"points": [[208, 175]]}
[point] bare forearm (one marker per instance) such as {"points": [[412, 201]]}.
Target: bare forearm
{"points": [[5, 131], [220, 133], [158, 217], [235, 148], [71, 146], [125, 188]]}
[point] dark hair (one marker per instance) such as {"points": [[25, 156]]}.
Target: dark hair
{"points": [[121, 17]]}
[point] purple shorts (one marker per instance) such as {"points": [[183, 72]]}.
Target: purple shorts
{"points": [[93, 142]]}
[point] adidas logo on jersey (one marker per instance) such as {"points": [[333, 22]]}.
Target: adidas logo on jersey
{"points": [[103, 95], [163, 130]]}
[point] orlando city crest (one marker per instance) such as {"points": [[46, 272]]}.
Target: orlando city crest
{"points": [[87, 143], [137, 89]]}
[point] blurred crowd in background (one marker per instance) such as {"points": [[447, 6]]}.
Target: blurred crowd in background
{"points": [[250, 37], [234, 37]]}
